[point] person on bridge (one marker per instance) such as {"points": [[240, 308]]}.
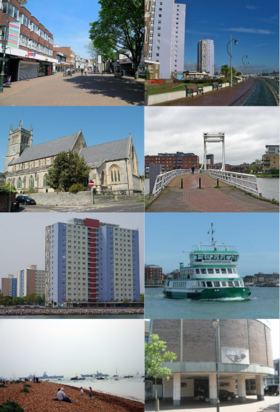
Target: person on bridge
{"points": [[193, 170]]}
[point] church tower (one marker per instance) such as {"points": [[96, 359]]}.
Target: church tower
{"points": [[19, 140]]}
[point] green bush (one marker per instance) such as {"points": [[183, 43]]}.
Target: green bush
{"points": [[147, 75], [25, 390], [9, 406], [77, 187], [27, 385], [3, 386]]}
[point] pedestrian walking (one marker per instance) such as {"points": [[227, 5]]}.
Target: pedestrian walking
{"points": [[82, 71], [90, 393], [82, 392]]}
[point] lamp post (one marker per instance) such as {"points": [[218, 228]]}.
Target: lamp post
{"points": [[4, 44], [215, 324], [230, 53], [244, 63]]}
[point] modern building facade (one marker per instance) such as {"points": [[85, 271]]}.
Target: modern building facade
{"points": [[9, 286], [30, 280], [30, 44], [70, 59], [205, 57], [113, 166], [91, 261], [172, 161], [271, 157], [165, 36], [153, 275], [244, 352]]}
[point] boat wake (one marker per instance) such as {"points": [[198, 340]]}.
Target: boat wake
{"points": [[226, 299]]}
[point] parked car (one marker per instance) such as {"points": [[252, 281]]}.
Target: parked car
{"points": [[271, 390], [226, 395], [26, 200]]}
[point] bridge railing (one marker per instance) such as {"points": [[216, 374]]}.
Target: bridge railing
{"points": [[163, 179], [243, 181]]}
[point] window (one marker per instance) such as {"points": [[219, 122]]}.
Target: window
{"points": [[115, 174], [31, 182], [45, 181], [19, 183], [216, 284], [24, 40], [13, 11], [24, 20], [34, 28]]}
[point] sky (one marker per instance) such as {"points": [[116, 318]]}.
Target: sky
{"points": [[67, 20], [98, 124], [247, 131], [24, 238], [254, 23], [169, 238], [68, 347]]}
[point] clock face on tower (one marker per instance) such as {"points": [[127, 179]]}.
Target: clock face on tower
{"points": [[13, 149]]}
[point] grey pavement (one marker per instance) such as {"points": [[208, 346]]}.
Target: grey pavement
{"points": [[128, 207], [269, 404]]}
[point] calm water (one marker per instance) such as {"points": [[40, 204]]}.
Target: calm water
{"points": [[130, 388], [262, 304], [76, 317], [269, 187]]}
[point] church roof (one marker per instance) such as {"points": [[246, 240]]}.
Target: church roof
{"points": [[94, 155], [47, 149]]}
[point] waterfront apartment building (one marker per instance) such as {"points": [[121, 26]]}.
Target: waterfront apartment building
{"points": [[165, 36], [205, 56], [9, 286], [91, 261], [70, 59], [172, 161], [153, 275], [30, 44], [30, 280], [271, 157]]}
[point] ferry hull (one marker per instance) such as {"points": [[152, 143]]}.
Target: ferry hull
{"points": [[218, 293]]}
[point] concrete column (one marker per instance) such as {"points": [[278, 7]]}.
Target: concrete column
{"points": [[259, 387], [212, 389], [205, 161], [241, 388], [224, 160], [176, 389]]}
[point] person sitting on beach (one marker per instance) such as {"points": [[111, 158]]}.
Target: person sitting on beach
{"points": [[61, 396], [82, 392], [90, 393]]}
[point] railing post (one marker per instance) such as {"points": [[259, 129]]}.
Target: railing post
{"points": [[182, 184], [199, 184]]}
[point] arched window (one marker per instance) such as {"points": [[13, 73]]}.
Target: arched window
{"points": [[115, 174], [45, 184], [112, 176], [19, 183], [119, 177], [31, 181], [102, 178]]}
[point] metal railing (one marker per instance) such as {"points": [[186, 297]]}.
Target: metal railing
{"points": [[243, 181], [163, 179]]}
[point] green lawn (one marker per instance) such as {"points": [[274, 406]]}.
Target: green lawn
{"points": [[160, 88]]}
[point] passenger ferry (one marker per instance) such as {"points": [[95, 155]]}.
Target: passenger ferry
{"points": [[211, 274]]}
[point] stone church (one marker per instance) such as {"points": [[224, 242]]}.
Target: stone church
{"points": [[113, 165]]}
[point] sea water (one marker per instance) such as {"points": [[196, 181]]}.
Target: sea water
{"points": [[262, 304]]}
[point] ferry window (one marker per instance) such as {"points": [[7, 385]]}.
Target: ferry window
{"points": [[197, 271], [224, 284], [234, 270], [203, 284], [224, 271], [217, 270], [230, 283], [209, 284], [206, 257], [234, 258], [212, 257], [216, 284], [228, 257], [241, 283], [199, 258], [211, 271], [203, 271], [188, 276], [215, 257], [230, 271], [236, 283], [222, 257]]}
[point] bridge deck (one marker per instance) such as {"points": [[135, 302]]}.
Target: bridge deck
{"points": [[228, 199]]}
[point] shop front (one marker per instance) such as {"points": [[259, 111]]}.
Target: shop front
{"points": [[44, 69]]}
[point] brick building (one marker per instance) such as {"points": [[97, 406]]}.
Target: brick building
{"points": [[172, 161], [9, 286], [70, 59], [153, 275], [29, 50], [30, 280], [271, 158]]}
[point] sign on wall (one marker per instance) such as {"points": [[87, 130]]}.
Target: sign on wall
{"points": [[235, 356], [14, 32]]}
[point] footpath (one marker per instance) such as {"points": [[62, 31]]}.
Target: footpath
{"points": [[227, 199]]}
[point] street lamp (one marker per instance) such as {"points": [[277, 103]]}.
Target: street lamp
{"points": [[244, 63], [215, 324], [230, 53], [4, 43]]}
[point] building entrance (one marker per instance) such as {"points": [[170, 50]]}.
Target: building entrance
{"points": [[201, 387]]}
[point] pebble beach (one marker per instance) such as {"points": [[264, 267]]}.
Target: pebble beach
{"points": [[41, 395]]}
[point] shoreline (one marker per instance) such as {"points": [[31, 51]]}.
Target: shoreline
{"points": [[68, 312], [42, 394]]}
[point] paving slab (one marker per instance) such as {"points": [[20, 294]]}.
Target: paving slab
{"points": [[77, 90]]}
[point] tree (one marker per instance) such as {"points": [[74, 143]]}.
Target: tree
{"points": [[5, 188], [18, 301], [155, 356], [142, 298], [39, 300], [226, 71], [120, 27], [238, 74], [258, 162], [67, 169], [30, 298]]}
